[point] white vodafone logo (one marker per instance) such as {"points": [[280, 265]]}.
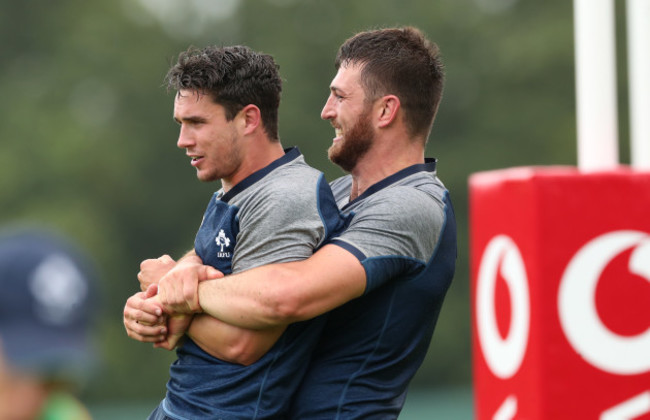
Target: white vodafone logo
{"points": [[579, 318], [503, 355]]}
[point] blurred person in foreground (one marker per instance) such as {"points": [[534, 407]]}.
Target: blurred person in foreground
{"points": [[385, 277], [272, 208], [47, 306]]}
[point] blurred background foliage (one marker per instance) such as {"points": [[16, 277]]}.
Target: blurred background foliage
{"points": [[88, 142]]}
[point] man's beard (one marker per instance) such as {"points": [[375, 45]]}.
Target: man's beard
{"points": [[354, 145]]}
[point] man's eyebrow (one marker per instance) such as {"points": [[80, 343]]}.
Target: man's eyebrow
{"points": [[191, 119]]}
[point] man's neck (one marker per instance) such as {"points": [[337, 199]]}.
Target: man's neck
{"points": [[256, 158], [377, 165]]}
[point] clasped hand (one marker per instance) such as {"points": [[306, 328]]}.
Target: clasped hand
{"points": [[162, 312]]}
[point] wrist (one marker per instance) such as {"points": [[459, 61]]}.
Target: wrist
{"points": [[191, 259]]}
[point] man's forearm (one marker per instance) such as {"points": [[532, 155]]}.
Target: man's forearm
{"points": [[248, 299], [229, 343], [280, 294]]}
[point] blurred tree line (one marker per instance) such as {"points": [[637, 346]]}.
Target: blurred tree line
{"points": [[88, 142]]}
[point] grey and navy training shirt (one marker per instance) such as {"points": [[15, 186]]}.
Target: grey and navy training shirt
{"points": [[403, 232], [281, 213]]}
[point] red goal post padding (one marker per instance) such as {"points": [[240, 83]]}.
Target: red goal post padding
{"points": [[560, 290]]}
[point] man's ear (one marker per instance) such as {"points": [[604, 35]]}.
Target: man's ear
{"points": [[389, 106], [251, 118]]}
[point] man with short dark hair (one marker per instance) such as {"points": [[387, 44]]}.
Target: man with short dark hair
{"points": [[273, 208]]}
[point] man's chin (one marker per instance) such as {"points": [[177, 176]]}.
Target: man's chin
{"points": [[204, 177], [334, 152], [333, 157], [331, 154]]}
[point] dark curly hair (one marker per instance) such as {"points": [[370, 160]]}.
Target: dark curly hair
{"points": [[401, 62], [233, 77]]}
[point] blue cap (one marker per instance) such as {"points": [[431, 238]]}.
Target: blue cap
{"points": [[47, 304]]}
